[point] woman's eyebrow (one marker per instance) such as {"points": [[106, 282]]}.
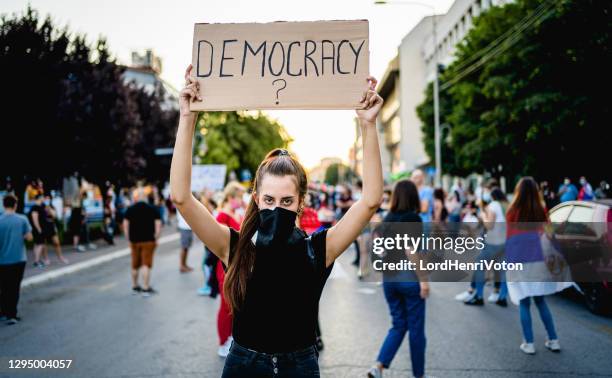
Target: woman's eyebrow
{"points": [[288, 197]]}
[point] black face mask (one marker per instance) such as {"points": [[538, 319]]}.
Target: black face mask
{"points": [[275, 227]]}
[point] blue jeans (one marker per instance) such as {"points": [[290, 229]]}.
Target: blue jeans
{"points": [[490, 252], [545, 315], [244, 363], [408, 315]]}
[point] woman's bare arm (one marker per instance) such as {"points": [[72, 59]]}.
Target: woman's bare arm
{"points": [[340, 236], [214, 235]]}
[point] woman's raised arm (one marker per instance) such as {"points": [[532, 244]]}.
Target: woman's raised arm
{"points": [[357, 217], [214, 235]]}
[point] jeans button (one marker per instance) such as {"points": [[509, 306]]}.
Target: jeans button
{"points": [[275, 370], [274, 359]]}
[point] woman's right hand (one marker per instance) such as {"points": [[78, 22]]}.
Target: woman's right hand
{"points": [[191, 92]]}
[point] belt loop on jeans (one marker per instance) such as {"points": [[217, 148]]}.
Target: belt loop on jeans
{"points": [[252, 354]]}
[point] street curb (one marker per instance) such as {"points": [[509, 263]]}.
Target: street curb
{"points": [[45, 277]]}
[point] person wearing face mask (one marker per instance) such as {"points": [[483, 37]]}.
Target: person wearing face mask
{"points": [[567, 191], [586, 190], [275, 272]]}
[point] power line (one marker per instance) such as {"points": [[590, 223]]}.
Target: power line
{"points": [[497, 50], [536, 13]]}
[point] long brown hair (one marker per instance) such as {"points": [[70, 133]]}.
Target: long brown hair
{"points": [[527, 204], [405, 197], [278, 162]]}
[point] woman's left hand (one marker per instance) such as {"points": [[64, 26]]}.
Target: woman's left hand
{"points": [[371, 103], [424, 289]]}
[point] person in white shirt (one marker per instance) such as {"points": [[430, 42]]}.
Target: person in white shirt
{"points": [[494, 220], [186, 241]]}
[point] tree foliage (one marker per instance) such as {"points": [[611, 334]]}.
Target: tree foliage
{"points": [[535, 108], [67, 108], [337, 173], [240, 140]]}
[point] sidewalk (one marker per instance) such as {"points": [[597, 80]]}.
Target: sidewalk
{"points": [[83, 260]]}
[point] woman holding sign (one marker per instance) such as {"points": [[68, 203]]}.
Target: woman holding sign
{"points": [[275, 272]]}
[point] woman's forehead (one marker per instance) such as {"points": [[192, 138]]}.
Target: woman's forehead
{"points": [[278, 186]]}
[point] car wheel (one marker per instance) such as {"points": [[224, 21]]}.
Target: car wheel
{"points": [[595, 298]]}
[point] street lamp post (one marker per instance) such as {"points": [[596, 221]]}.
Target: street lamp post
{"points": [[436, 89]]}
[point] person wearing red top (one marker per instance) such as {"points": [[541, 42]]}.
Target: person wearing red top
{"points": [[309, 219], [527, 214], [229, 216]]}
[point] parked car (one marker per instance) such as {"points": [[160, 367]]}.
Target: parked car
{"points": [[583, 230]]}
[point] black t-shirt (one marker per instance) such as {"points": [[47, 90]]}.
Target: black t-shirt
{"points": [[402, 216], [142, 218], [399, 223], [42, 218], [281, 307]]}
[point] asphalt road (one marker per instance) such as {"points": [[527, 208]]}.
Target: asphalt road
{"points": [[92, 318]]}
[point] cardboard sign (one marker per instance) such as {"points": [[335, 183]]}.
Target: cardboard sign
{"points": [[281, 65], [207, 176]]}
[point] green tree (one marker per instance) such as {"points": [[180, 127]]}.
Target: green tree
{"points": [[531, 106], [337, 173], [240, 140], [67, 108]]}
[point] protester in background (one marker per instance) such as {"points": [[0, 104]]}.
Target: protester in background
{"points": [[586, 190], [142, 227], [34, 189], [457, 189], [603, 190], [386, 203], [470, 213], [309, 221], [50, 231], [425, 194], [440, 213], [43, 231], [186, 241], [567, 191], [405, 291], [493, 217], [14, 228], [549, 195], [109, 221], [471, 226], [527, 209], [211, 286], [343, 204], [123, 202], [454, 206], [325, 214], [76, 224], [229, 216]]}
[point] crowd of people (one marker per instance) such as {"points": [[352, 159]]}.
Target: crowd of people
{"points": [[140, 212], [75, 215]]}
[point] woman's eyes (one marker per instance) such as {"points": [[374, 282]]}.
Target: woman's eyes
{"points": [[285, 202]]}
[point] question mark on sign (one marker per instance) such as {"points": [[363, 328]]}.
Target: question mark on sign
{"points": [[279, 89]]}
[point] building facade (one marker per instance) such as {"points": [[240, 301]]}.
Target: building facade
{"points": [[407, 76], [145, 72]]}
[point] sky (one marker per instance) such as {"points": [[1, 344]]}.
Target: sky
{"points": [[167, 28]]}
